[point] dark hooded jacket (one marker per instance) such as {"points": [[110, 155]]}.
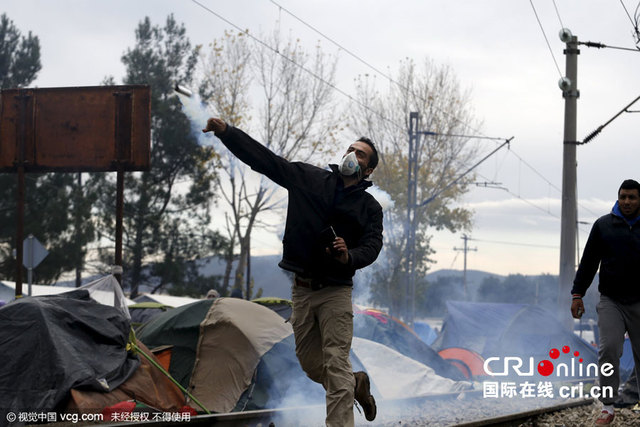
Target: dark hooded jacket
{"points": [[317, 200], [614, 246]]}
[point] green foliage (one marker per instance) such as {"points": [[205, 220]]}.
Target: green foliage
{"points": [[444, 109], [19, 56], [53, 213], [50, 208], [167, 209]]}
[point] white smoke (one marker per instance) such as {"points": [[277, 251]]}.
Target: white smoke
{"points": [[382, 197], [198, 113]]}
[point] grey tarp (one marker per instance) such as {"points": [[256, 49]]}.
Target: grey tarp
{"points": [[51, 344]]}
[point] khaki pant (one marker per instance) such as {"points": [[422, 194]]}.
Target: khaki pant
{"points": [[322, 323]]}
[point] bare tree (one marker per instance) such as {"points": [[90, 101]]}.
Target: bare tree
{"points": [[434, 92], [296, 121]]}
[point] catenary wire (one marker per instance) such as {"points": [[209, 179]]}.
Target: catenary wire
{"points": [[527, 164], [383, 74], [257, 40], [634, 22], [358, 58], [555, 6], [545, 37], [531, 245]]}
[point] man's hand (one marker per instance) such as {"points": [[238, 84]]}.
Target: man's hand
{"points": [[577, 308], [340, 250], [215, 125]]}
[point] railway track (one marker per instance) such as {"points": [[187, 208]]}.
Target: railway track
{"points": [[466, 409]]}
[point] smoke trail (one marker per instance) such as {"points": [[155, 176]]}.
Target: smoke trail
{"points": [[365, 277], [198, 113], [382, 197]]}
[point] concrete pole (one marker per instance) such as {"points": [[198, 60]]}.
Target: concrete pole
{"points": [[569, 212], [465, 249]]}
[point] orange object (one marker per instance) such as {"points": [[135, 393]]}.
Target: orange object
{"points": [[468, 362], [164, 357]]}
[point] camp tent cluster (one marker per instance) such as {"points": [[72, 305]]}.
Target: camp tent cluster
{"points": [[228, 354]]}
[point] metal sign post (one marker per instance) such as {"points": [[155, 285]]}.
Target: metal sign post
{"points": [[33, 255]]}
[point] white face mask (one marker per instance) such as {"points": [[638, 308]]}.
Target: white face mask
{"points": [[350, 165]]}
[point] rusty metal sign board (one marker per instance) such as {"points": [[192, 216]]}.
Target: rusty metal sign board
{"points": [[75, 129]]}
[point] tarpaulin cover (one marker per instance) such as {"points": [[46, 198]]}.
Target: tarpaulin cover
{"points": [[51, 344], [396, 376], [500, 329], [148, 385], [378, 326]]}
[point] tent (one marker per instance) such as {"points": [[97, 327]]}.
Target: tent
{"points": [[8, 289], [281, 306], [70, 352], [170, 300], [425, 332], [380, 327], [142, 312], [500, 329], [147, 385], [236, 355], [52, 344], [217, 345], [396, 376]]}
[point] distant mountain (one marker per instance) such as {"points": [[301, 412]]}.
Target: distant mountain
{"points": [[276, 282]]}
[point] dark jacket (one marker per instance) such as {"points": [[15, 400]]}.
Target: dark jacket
{"points": [[614, 246], [317, 200]]}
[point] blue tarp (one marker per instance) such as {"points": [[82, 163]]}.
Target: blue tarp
{"points": [[500, 330], [425, 332]]}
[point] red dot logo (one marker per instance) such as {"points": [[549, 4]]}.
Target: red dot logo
{"points": [[545, 368], [566, 349], [576, 354], [554, 353]]}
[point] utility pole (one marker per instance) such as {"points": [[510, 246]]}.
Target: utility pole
{"points": [[412, 194], [412, 207], [569, 213], [465, 249]]}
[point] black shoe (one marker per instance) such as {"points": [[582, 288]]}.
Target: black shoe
{"points": [[363, 395]]}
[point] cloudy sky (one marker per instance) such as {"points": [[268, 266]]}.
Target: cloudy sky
{"points": [[507, 52]]}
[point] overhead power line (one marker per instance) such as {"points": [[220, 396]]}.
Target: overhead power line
{"points": [[358, 58], [603, 46], [355, 56], [545, 37], [555, 6], [479, 136], [266, 45], [634, 20], [531, 245], [599, 129]]}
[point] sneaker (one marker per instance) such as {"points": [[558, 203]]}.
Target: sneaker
{"points": [[363, 395], [605, 418]]}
